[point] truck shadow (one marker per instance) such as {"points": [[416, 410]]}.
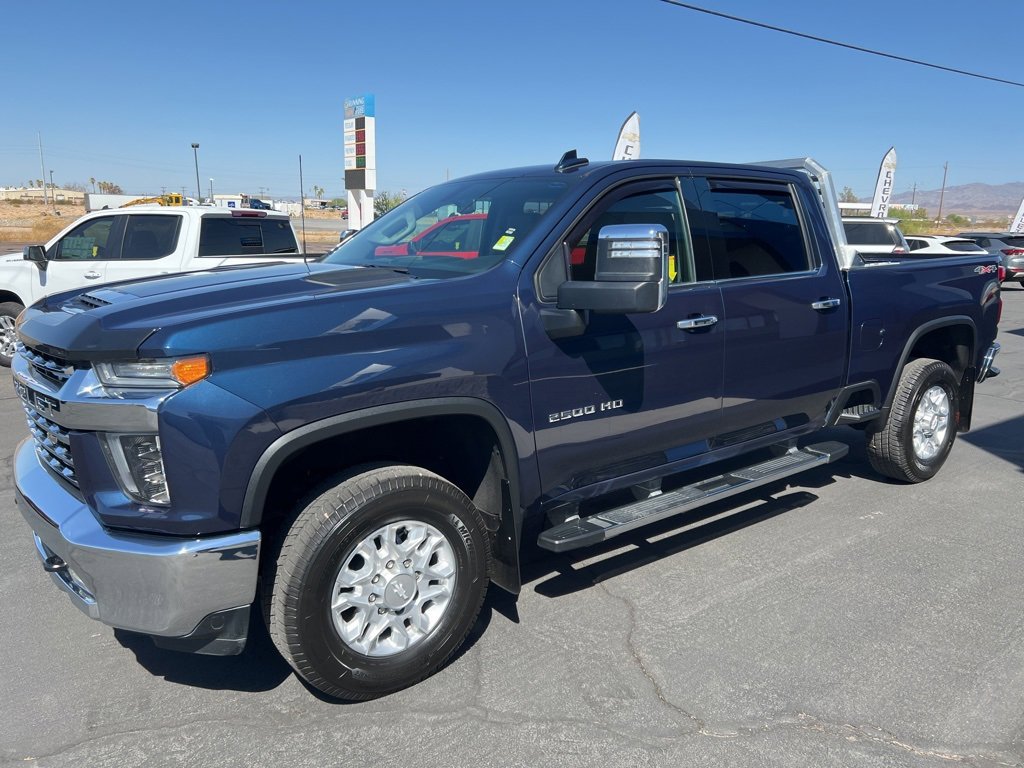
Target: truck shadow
{"points": [[258, 668], [558, 575], [650, 544], [1002, 439]]}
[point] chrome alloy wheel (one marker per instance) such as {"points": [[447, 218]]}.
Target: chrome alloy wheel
{"points": [[393, 588], [8, 336], [931, 423]]}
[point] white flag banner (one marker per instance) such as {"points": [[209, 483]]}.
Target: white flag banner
{"points": [[628, 145], [1018, 220], [884, 185]]}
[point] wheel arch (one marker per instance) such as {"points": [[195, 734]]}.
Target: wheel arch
{"points": [[6, 296], [471, 426], [952, 340]]}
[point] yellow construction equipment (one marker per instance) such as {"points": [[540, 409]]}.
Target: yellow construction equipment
{"points": [[172, 199]]}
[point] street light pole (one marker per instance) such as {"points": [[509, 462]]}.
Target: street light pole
{"points": [[199, 190], [211, 192]]}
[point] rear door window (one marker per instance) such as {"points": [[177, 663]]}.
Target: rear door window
{"points": [[754, 229], [150, 237]]}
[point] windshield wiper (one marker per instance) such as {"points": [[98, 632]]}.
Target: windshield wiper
{"points": [[399, 270]]}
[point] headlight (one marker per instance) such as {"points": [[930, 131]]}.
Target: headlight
{"points": [[162, 374], [139, 467]]}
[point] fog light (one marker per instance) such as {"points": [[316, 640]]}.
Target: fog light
{"points": [[139, 467]]}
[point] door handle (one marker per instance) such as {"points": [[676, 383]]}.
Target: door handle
{"points": [[91, 275], [826, 304], [692, 323]]}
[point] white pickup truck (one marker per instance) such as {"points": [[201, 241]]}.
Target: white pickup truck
{"points": [[126, 243]]}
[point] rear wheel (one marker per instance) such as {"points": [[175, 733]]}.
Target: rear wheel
{"points": [[9, 312], [916, 438], [377, 582]]}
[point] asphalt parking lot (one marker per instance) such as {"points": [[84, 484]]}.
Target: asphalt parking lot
{"points": [[839, 620]]}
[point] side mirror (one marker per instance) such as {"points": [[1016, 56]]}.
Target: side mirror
{"points": [[631, 273], [346, 234], [36, 253]]}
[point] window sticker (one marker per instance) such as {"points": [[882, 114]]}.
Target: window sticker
{"points": [[503, 243], [78, 247]]}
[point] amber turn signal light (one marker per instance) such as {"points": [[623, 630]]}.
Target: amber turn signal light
{"points": [[189, 370]]}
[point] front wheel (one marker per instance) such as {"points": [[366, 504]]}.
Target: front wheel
{"points": [[377, 582], [918, 434], [9, 312]]}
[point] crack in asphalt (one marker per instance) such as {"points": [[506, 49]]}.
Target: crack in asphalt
{"points": [[803, 720], [878, 735], [699, 725]]}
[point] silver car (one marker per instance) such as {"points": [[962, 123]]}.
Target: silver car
{"points": [[1009, 246]]}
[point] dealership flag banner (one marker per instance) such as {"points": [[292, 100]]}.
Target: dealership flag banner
{"points": [[883, 187], [628, 145], [1018, 220]]}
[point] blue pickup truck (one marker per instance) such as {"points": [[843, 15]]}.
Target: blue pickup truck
{"points": [[357, 447]]}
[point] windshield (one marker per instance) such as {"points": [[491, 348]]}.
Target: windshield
{"points": [[454, 229]]}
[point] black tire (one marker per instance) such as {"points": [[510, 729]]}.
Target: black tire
{"points": [[9, 311], [300, 581], [891, 447]]}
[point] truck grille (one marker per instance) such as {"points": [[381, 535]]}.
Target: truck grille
{"points": [[53, 444], [51, 369]]}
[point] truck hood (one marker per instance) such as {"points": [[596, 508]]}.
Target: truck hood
{"points": [[8, 257], [112, 321]]}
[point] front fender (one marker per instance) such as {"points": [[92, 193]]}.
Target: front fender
{"points": [[505, 540]]}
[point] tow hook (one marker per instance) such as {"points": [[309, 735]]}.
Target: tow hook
{"points": [[54, 564]]}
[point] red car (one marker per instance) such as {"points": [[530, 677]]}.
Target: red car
{"points": [[457, 237]]}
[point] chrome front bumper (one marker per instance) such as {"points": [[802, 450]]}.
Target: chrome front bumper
{"points": [[157, 585]]}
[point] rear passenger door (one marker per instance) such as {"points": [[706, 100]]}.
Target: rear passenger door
{"points": [[784, 306], [149, 246]]}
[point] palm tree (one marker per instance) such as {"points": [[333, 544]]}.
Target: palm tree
{"points": [[93, 182]]}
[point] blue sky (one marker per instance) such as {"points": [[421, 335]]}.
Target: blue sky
{"points": [[120, 90]]}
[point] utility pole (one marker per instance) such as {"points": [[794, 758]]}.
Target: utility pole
{"points": [[942, 194], [195, 155], [42, 167], [913, 201]]}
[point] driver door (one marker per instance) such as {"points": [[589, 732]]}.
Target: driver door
{"points": [[631, 393], [79, 259]]}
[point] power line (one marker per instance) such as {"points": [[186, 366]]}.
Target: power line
{"points": [[851, 47]]}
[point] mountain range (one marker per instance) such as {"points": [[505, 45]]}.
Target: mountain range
{"points": [[972, 199]]}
